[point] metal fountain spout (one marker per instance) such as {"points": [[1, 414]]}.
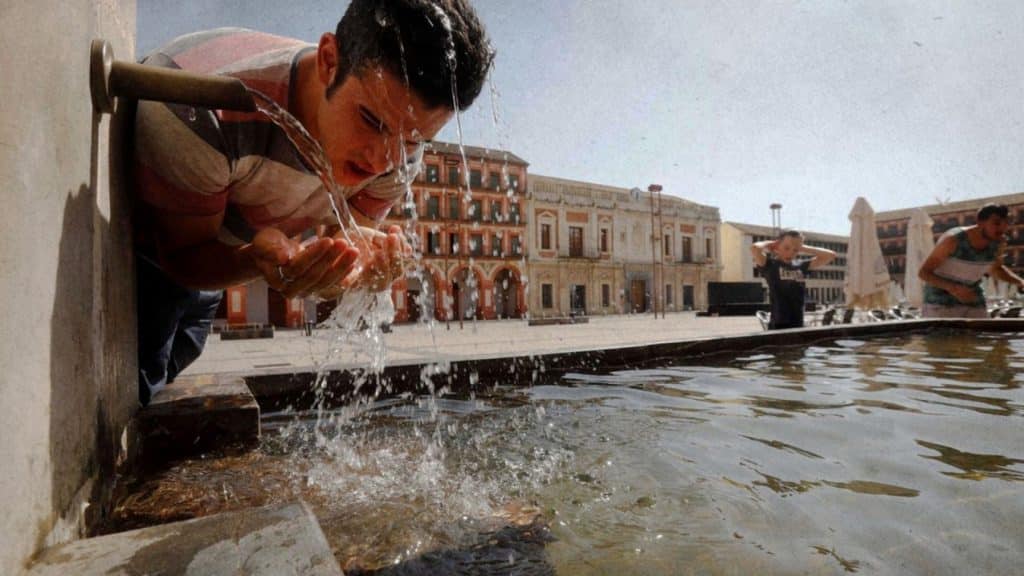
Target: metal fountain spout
{"points": [[109, 79]]}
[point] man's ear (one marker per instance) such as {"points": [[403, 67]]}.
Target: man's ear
{"points": [[327, 59]]}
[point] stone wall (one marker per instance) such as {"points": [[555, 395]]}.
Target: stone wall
{"points": [[67, 385]]}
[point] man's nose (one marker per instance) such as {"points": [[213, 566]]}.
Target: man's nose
{"points": [[378, 157]]}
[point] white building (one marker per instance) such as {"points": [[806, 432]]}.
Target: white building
{"points": [[599, 249], [824, 286]]}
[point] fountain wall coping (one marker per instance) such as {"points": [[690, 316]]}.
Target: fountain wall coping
{"points": [[278, 388], [267, 541]]}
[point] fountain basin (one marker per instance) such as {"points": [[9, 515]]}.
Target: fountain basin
{"points": [[876, 447]]}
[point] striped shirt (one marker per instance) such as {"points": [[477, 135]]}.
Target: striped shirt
{"points": [[966, 265], [199, 162]]}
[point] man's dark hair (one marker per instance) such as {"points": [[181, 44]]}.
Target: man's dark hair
{"points": [[411, 39], [794, 233], [989, 210]]}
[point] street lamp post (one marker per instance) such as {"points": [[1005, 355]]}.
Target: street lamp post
{"points": [[652, 190], [776, 209], [664, 250]]}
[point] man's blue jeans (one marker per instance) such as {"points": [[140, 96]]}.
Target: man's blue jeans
{"points": [[173, 325]]}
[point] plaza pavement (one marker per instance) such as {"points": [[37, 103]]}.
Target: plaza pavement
{"points": [[418, 343]]}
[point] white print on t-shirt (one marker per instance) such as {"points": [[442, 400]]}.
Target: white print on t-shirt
{"points": [[794, 275]]}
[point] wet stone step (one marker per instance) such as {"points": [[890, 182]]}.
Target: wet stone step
{"points": [[279, 540], [196, 414]]}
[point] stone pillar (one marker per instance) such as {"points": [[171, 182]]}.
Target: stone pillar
{"points": [[67, 291]]}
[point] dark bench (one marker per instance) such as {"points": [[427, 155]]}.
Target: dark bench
{"points": [[246, 331]]}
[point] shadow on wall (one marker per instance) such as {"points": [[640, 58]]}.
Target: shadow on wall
{"points": [[92, 357]]}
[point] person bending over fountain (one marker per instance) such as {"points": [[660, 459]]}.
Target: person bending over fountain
{"points": [[224, 198], [786, 274], [963, 255]]}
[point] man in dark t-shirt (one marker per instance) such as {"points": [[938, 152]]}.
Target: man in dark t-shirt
{"points": [[786, 275]]}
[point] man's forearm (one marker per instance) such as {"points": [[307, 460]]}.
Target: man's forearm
{"points": [[817, 251], [930, 277], [1006, 275], [211, 265]]}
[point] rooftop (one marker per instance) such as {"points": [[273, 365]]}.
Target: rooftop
{"points": [[958, 206], [449, 149], [552, 184], [757, 230]]}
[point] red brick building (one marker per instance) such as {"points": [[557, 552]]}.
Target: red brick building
{"points": [[466, 219], [892, 229]]}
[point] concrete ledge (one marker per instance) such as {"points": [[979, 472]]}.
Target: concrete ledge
{"points": [[270, 541], [277, 389], [195, 414]]}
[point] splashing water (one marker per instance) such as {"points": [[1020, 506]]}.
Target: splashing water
{"points": [[359, 313], [356, 331]]}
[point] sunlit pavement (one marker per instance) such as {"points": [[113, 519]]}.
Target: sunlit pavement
{"points": [[417, 343]]}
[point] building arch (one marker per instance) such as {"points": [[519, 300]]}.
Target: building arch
{"points": [[509, 292], [467, 288]]}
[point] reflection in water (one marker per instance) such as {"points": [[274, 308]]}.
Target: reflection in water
{"points": [[889, 456], [975, 466]]}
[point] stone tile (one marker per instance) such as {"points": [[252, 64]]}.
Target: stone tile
{"points": [[279, 540], [197, 413]]}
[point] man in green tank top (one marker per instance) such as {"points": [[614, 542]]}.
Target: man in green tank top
{"points": [[961, 258]]}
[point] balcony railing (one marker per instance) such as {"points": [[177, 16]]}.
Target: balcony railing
{"points": [[585, 253], [699, 260]]}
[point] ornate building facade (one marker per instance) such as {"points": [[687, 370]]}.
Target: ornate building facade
{"points": [[465, 218], [596, 249]]}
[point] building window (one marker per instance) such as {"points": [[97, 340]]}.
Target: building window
{"points": [[453, 207], [492, 180], [575, 242], [604, 240], [476, 244], [453, 244], [517, 247], [433, 173], [496, 215], [668, 294], [687, 253], [453, 176], [547, 299], [709, 249], [475, 179], [513, 210], [433, 207], [606, 296], [433, 243], [476, 211], [495, 245], [513, 181], [667, 243], [545, 236]]}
